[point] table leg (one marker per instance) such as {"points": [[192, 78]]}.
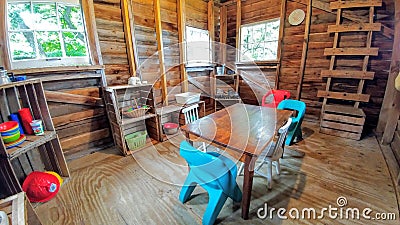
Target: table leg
{"points": [[247, 186], [187, 134]]}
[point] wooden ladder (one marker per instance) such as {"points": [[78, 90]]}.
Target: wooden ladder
{"points": [[346, 120]]}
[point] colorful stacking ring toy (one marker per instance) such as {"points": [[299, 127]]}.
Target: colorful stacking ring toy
{"points": [[9, 128], [21, 139], [11, 138]]}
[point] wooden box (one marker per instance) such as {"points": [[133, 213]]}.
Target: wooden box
{"points": [[343, 121], [118, 98], [36, 153]]}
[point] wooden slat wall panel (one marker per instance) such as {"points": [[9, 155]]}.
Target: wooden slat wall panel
{"points": [[112, 40], [77, 120]]}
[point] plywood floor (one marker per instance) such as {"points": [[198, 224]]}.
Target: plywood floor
{"points": [[106, 188]]}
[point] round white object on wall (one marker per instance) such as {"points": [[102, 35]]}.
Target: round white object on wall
{"points": [[296, 17]]}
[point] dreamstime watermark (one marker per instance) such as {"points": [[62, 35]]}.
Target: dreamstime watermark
{"points": [[332, 212]]}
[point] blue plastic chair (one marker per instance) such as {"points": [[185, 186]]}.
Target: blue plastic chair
{"points": [[295, 127], [215, 173]]}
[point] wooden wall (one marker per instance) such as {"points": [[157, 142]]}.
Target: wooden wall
{"points": [[319, 39], [253, 11], [75, 102], [112, 40], [113, 46]]}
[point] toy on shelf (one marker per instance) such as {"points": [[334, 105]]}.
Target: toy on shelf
{"points": [[10, 134], [26, 119]]}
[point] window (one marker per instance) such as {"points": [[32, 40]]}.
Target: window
{"points": [[198, 50], [259, 42], [46, 33]]}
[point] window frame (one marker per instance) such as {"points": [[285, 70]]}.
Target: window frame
{"points": [[89, 28], [198, 64], [278, 40]]}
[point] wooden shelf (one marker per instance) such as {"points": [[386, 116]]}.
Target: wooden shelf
{"points": [[124, 87], [172, 113], [174, 107], [119, 97], [36, 153], [127, 120], [217, 85], [227, 75], [32, 141]]}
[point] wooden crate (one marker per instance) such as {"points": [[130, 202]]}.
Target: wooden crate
{"points": [[19, 210], [117, 99], [37, 153], [342, 121]]}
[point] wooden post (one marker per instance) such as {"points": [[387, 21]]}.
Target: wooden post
{"points": [[280, 44], [181, 10], [305, 48], [128, 22], [238, 26], [391, 103], [223, 33], [211, 31], [4, 54], [91, 31], [160, 48], [211, 27]]}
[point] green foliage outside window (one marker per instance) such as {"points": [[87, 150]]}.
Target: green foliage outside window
{"points": [[45, 30], [259, 41]]}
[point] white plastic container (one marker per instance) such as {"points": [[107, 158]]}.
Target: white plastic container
{"points": [[187, 98]]}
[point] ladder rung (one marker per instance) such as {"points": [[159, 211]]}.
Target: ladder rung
{"points": [[351, 51], [354, 27], [354, 4], [344, 96], [364, 75]]}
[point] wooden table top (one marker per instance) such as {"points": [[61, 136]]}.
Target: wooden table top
{"points": [[243, 128]]}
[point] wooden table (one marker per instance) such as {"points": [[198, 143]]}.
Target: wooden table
{"points": [[244, 131]]}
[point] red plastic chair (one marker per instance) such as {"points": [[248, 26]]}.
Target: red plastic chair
{"points": [[277, 97]]}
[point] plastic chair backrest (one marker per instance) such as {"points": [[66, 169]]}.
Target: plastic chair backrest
{"points": [[291, 104], [278, 96], [279, 145], [207, 167], [191, 113]]}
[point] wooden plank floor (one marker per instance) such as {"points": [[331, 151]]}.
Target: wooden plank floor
{"points": [[106, 188]]}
